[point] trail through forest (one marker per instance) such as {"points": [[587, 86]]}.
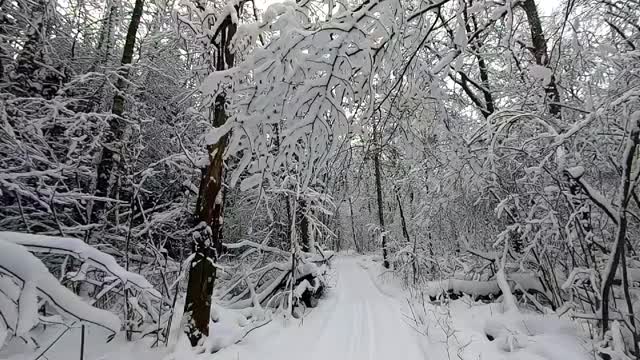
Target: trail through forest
{"points": [[357, 321], [176, 178]]}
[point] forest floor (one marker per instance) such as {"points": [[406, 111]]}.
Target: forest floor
{"points": [[368, 314], [356, 321], [365, 314]]}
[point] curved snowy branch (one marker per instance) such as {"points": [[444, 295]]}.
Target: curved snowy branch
{"points": [[84, 253], [22, 266]]}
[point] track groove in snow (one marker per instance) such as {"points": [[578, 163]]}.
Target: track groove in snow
{"points": [[356, 322]]}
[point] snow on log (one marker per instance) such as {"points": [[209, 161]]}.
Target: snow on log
{"points": [[84, 253], [309, 269], [262, 294], [261, 247], [303, 286], [527, 281], [312, 257], [18, 263]]}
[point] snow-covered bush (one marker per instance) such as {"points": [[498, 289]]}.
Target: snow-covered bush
{"points": [[31, 294], [264, 279]]}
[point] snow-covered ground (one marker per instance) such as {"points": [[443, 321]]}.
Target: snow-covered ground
{"points": [[356, 321], [471, 330], [366, 314], [67, 346]]}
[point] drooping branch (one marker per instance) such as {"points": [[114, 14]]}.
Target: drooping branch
{"points": [[18, 263]]}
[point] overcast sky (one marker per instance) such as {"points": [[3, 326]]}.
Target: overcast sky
{"points": [[546, 6]]}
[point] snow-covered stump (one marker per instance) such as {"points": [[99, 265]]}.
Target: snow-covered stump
{"points": [[310, 285], [310, 280]]}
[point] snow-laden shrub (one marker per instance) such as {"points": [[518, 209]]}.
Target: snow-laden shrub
{"points": [[264, 277], [29, 290], [46, 163]]}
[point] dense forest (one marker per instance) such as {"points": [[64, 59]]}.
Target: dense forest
{"points": [[165, 164]]}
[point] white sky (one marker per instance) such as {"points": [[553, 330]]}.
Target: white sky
{"points": [[546, 6]]}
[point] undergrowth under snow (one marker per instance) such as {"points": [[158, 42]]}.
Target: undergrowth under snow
{"points": [[469, 330], [366, 313]]}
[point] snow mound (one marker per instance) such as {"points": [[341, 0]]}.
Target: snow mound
{"points": [[536, 336], [475, 330], [469, 330], [226, 328]]}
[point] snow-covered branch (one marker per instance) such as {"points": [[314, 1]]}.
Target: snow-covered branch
{"points": [[25, 279]]}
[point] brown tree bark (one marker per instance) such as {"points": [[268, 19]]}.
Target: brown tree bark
{"points": [[210, 203], [202, 275]]}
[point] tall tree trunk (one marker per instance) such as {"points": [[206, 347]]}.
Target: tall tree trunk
{"points": [[337, 230], [105, 40], [541, 55], [623, 200], [24, 82], [304, 225], [405, 233], [353, 226], [372, 237], [202, 275], [111, 148], [210, 205], [4, 20], [376, 164], [286, 239], [283, 226]]}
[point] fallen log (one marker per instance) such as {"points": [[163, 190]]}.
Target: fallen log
{"points": [[483, 290]]}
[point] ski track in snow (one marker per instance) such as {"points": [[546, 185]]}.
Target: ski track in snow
{"points": [[356, 321]]}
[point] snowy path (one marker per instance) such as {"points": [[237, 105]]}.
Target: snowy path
{"points": [[357, 321]]}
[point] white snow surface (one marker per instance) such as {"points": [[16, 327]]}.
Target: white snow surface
{"points": [[355, 321], [366, 314]]}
